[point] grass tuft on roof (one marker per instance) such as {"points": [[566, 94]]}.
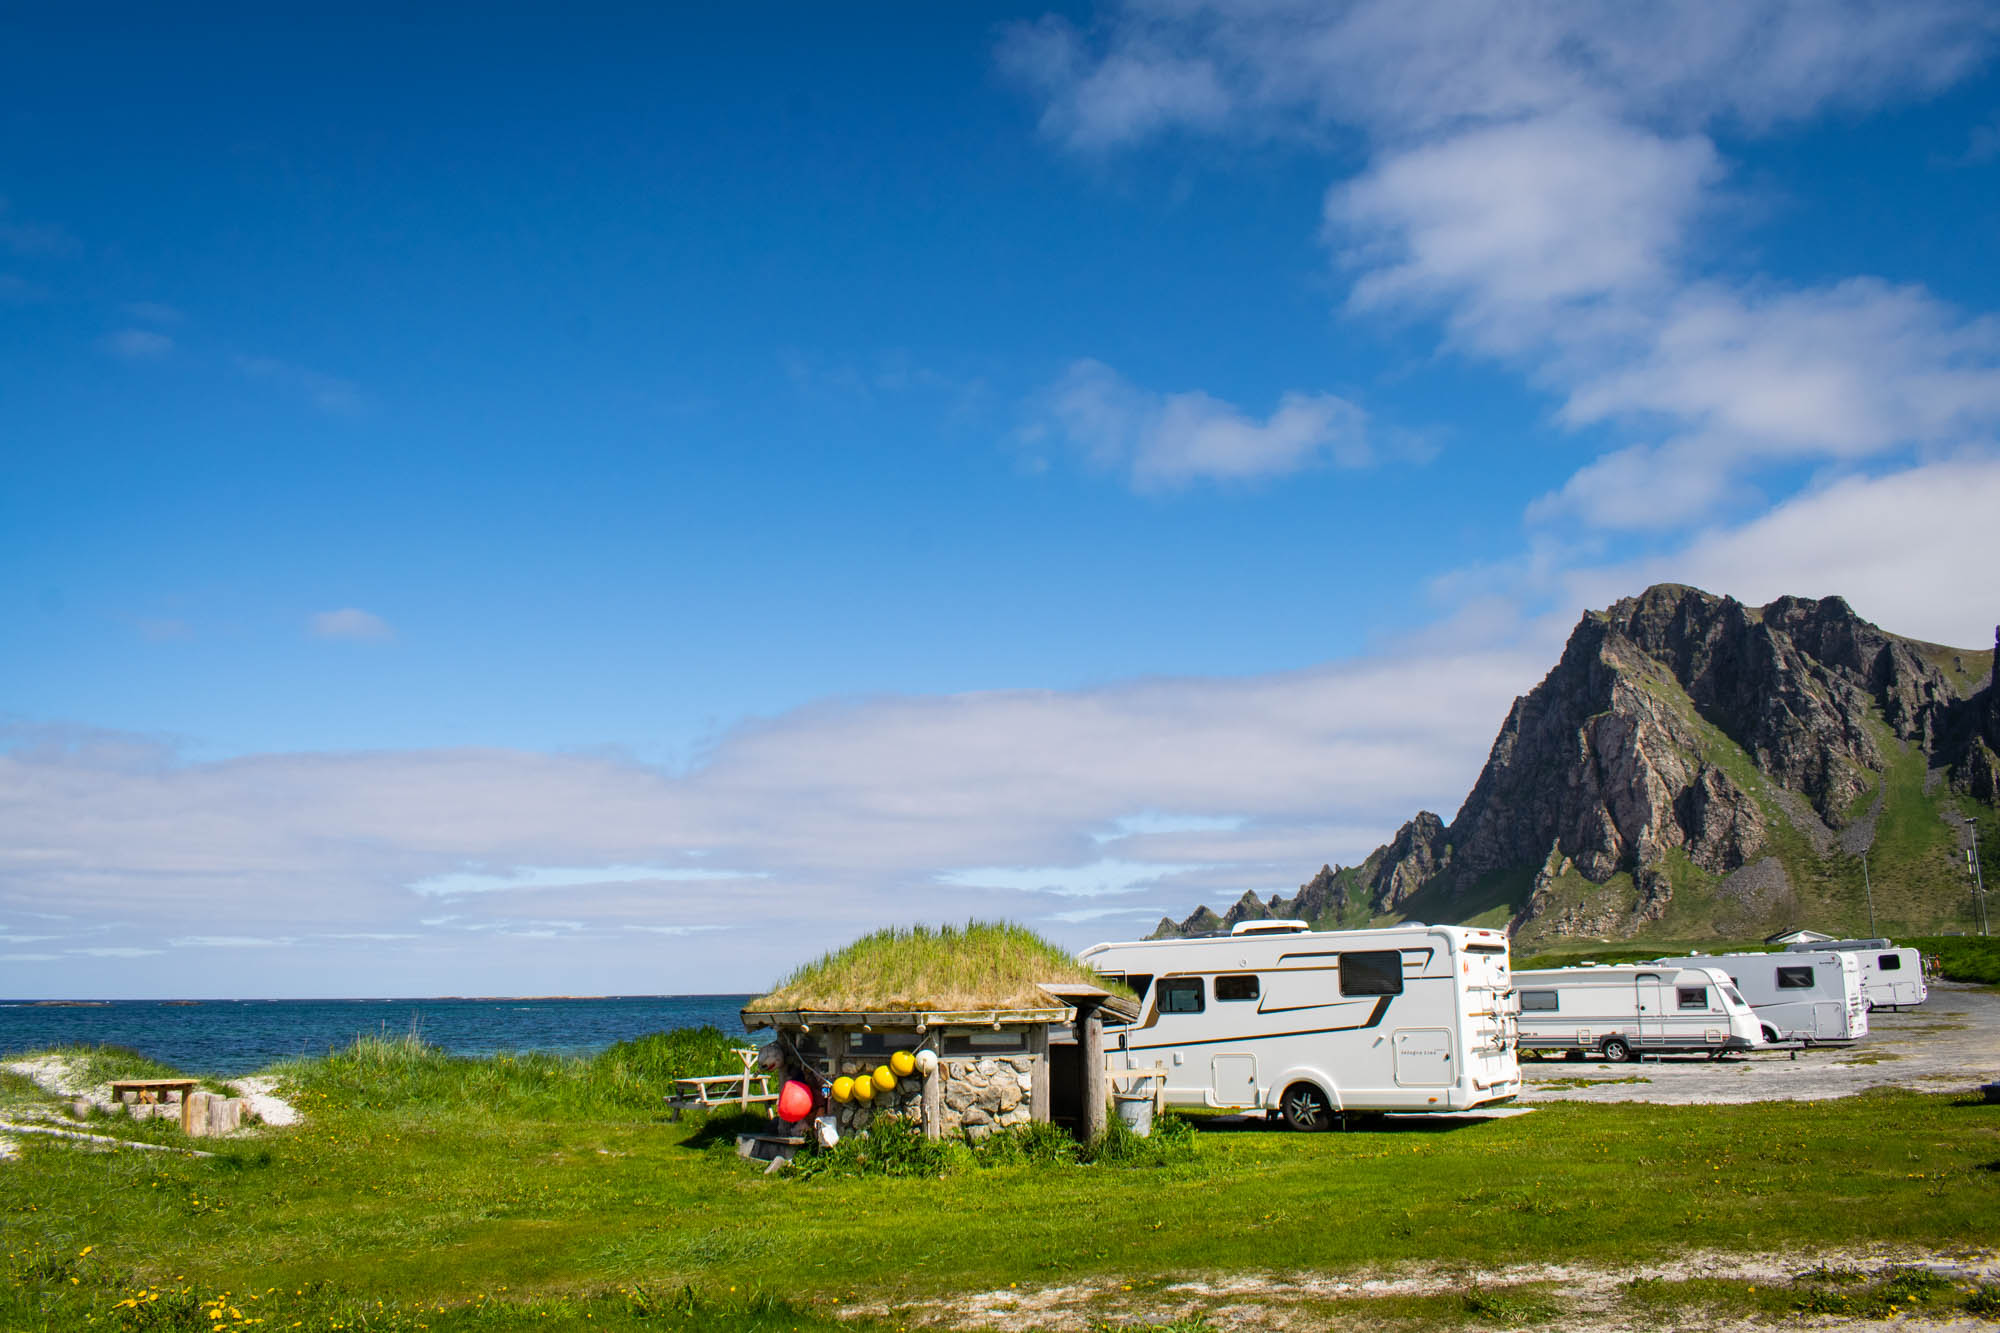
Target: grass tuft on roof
{"points": [[980, 965]]}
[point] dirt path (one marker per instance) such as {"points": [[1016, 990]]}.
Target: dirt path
{"points": [[1952, 1042], [1592, 1296]]}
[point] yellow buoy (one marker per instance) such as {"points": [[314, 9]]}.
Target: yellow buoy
{"points": [[843, 1088], [883, 1078], [903, 1063], [863, 1089]]}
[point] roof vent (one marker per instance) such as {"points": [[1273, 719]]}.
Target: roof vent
{"points": [[1269, 927]]}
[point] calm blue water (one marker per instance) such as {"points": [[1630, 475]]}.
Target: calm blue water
{"points": [[231, 1037]]}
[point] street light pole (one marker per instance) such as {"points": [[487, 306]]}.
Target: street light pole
{"points": [[1978, 879]]}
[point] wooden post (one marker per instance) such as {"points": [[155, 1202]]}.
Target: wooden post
{"points": [[1038, 1048], [1095, 1118], [934, 1102]]}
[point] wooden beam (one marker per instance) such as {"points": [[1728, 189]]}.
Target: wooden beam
{"points": [[1090, 1027], [1038, 1095]]}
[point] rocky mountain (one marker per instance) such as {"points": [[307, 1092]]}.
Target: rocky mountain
{"points": [[1696, 768]]}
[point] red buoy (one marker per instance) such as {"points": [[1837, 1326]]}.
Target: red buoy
{"points": [[795, 1101]]}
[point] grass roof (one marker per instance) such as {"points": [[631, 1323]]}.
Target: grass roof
{"points": [[981, 965]]}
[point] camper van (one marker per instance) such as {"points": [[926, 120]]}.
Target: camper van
{"points": [[1891, 978], [1315, 1025], [1625, 1011], [1809, 997]]}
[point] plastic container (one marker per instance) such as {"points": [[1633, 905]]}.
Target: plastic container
{"points": [[1136, 1110]]}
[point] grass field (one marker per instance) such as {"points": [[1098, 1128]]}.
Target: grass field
{"points": [[424, 1192]]}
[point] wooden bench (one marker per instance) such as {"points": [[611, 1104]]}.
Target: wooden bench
{"points": [[744, 1090], [151, 1091]]}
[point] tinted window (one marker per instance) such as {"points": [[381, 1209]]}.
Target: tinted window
{"points": [[1694, 997], [1375, 972], [1140, 983], [1236, 988], [1889, 962], [1486, 948], [1181, 995], [1795, 978], [1534, 1000]]}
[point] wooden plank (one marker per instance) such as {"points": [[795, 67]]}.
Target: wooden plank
{"points": [[1038, 1096], [1095, 1115]]}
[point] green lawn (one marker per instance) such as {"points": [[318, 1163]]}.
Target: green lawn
{"points": [[459, 1194]]}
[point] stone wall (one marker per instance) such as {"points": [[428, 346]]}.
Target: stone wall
{"points": [[977, 1094]]}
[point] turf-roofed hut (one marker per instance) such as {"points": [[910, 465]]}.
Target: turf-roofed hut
{"points": [[961, 1031]]}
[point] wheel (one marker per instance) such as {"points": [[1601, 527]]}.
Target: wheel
{"points": [[1770, 1035], [1306, 1108], [1617, 1050]]}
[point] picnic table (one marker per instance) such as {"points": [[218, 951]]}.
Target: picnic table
{"points": [[151, 1091], [751, 1087]]}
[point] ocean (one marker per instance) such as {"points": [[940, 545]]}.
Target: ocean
{"points": [[234, 1037]]}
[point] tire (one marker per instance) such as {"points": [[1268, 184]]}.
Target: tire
{"points": [[1306, 1108], [1770, 1035], [1617, 1050]]}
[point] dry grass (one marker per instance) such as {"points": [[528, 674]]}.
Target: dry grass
{"points": [[981, 965]]}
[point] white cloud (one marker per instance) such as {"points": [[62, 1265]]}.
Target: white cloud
{"points": [[1164, 441], [138, 344], [349, 623], [1535, 176], [1901, 548], [849, 814], [1401, 71], [1525, 232], [113, 952]]}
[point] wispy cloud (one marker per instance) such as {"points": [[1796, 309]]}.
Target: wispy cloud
{"points": [[349, 623], [563, 877], [1165, 441], [28, 239], [328, 393], [232, 942], [138, 344]]}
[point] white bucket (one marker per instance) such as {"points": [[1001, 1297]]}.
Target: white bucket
{"points": [[1136, 1110]]}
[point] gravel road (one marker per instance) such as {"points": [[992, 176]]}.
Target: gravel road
{"points": [[1949, 1043]]}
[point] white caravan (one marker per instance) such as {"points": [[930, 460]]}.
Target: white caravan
{"points": [[1809, 997], [1626, 1010], [1891, 978], [1312, 1025]]}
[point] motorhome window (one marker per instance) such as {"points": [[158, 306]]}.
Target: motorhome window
{"points": [[1140, 982], [1795, 978], [1735, 996], [1236, 987], [1538, 1001], [1375, 972], [1486, 948], [1889, 962], [1694, 997], [1180, 995]]}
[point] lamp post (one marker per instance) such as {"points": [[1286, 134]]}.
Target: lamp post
{"points": [[1870, 891], [1978, 880]]}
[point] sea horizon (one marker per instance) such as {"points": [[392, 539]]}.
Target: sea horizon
{"points": [[232, 1037]]}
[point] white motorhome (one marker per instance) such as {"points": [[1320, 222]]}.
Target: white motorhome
{"points": [[1624, 1011], [1891, 978], [1313, 1025], [1809, 997]]}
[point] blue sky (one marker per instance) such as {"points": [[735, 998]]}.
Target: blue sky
{"points": [[540, 503]]}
